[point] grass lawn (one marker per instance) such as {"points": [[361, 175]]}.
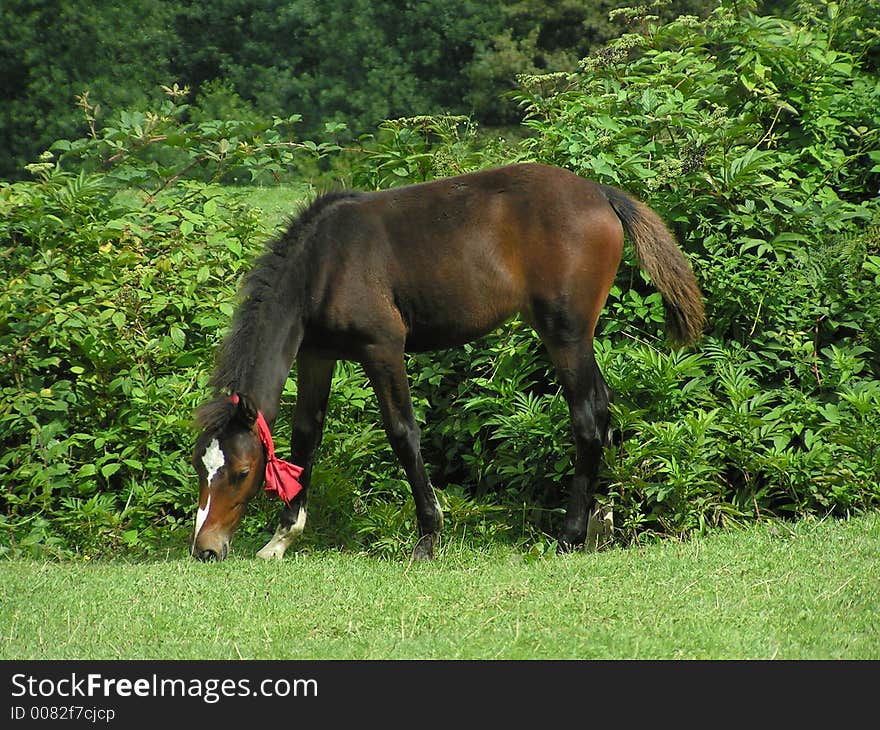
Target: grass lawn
{"points": [[278, 203], [809, 590]]}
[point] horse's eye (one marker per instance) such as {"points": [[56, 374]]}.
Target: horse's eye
{"points": [[241, 475]]}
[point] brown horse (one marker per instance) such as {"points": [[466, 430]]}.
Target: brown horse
{"points": [[368, 276]]}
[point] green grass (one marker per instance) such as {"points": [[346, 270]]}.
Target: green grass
{"points": [[804, 591], [278, 203]]}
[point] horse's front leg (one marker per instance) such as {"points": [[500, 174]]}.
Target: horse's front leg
{"points": [[313, 389], [385, 368]]}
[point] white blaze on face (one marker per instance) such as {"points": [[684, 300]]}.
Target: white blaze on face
{"points": [[202, 515], [213, 460]]}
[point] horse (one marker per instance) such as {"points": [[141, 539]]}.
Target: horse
{"points": [[367, 276]]}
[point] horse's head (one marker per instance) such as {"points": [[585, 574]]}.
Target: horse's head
{"points": [[229, 459]]}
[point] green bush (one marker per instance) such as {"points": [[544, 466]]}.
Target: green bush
{"points": [[757, 138], [120, 282], [109, 317]]}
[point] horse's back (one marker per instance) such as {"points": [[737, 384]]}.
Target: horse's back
{"points": [[512, 220], [455, 257]]}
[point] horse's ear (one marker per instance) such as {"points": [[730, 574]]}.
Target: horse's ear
{"points": [[247, 410]]}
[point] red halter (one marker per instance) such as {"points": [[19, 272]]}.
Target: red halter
{"points": [[282, 477]]}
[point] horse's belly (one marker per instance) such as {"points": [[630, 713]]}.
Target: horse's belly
{"points": [[450, 322], [426, 339]]}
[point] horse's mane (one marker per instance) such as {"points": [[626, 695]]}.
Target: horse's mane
{"points": [[214, 415], [236, 355]]}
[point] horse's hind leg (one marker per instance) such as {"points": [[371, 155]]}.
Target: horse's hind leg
{"points": [[385, 368], [313, 389], [587, 396]]}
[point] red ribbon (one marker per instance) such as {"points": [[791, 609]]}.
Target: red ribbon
{"points": [[282, 477]]}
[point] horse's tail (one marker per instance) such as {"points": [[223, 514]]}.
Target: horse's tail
{"points": [[659, 255]]}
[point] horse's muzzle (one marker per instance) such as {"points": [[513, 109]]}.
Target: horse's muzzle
{"points": [[211, 554]]}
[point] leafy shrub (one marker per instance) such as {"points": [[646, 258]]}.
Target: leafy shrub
{"points": [[108, 301], [754, 136], [757, 139], [121, 280], [416, 149]]}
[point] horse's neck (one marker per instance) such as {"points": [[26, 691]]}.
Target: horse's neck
{"points": [[268, 327], [272, 361]]}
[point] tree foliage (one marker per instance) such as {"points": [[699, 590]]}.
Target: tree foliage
{"points": [[357, 62], [51, 52]]}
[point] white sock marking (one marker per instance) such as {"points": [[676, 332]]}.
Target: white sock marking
{"points": [[281, 540]]}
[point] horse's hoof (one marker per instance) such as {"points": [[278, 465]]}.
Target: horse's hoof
{"points": [[564, 547], [273, 550], [424, 549], [570, 540], [270, 554]]}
